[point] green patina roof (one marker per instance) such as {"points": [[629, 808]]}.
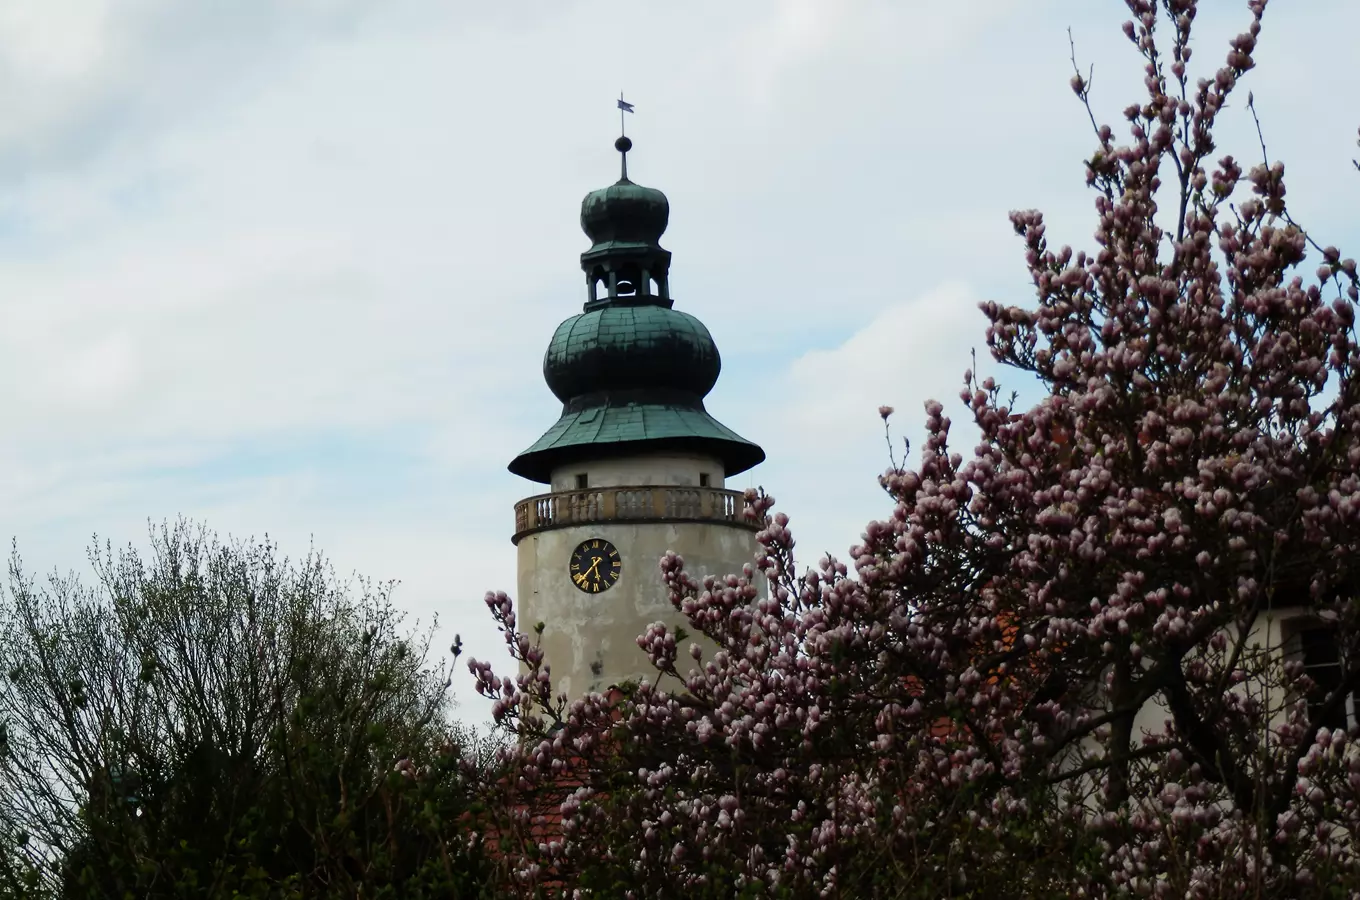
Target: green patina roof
{"points": [[605, 248], [624, 217], [643, 328], [621, 428], [644, 347], [631, 371]]}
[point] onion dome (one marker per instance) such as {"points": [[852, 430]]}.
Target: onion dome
{"points": [[624, 213], [631, 348], [631, 371]]}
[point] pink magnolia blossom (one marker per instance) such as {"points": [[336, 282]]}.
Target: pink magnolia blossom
{"points": [[1057, 667]]}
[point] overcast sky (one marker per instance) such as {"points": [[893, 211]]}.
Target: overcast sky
{"points": [[291, 267]]}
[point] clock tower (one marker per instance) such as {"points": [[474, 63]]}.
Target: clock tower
{"points": [[635, 466]]}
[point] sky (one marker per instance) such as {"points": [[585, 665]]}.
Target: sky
{"points": [[290, 268]]}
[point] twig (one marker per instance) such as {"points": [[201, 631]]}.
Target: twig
{"points": [[1085, 81], [1260, 135]]}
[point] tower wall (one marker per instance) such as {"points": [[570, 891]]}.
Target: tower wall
{"points": [[651, 469], [632, 373], [590, 640]]}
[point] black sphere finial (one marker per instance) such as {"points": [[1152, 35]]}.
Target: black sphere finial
{"points": [[623, 145]]}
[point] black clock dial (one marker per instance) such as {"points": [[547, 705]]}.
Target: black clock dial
{"points": [[595, 565]]}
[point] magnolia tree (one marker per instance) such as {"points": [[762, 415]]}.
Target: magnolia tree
{"points": [[1064, 665]]}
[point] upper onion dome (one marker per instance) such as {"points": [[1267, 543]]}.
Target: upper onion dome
{"points": [[624, 212]]}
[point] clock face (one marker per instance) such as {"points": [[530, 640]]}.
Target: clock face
{"points": [[595, 565]]}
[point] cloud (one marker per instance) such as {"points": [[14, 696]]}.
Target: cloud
{"points": [[797, 31], [49, 53], [824, 438], [908, 353]]}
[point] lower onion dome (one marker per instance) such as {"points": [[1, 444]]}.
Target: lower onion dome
{"points": [[632, 348]]}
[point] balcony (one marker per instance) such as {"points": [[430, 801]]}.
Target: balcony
{"points": [[630, 504]]}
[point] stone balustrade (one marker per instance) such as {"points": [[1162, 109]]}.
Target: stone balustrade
{"points": [[630, 504]]}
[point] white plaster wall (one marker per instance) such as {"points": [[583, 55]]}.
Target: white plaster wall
{"points": [[1270, 633], [655, 469], [590, 640]]}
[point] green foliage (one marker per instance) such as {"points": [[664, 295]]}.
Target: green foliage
{"points": [[214, 721]]}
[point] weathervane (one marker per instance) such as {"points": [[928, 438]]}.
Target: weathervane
{"points": [[623, 145]]}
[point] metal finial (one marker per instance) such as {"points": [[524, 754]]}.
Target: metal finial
{"points": [[623, 145]]}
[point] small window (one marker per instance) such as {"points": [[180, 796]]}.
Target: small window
{"points": [[703, 479], [1322, 661], [582, 481]]}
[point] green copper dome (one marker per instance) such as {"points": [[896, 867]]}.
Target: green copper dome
{"points": [[631, 372], [631, 348], [624, 214]]}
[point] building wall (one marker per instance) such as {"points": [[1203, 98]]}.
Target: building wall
{"points": [[1271, 635], [590, 640], [652, 469]]}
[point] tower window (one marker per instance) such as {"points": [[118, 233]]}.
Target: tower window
{"points": [[582, 481], [703, 479]]}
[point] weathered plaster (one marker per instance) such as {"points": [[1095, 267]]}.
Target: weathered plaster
{"points": [[590, 640], [663, 470]]}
